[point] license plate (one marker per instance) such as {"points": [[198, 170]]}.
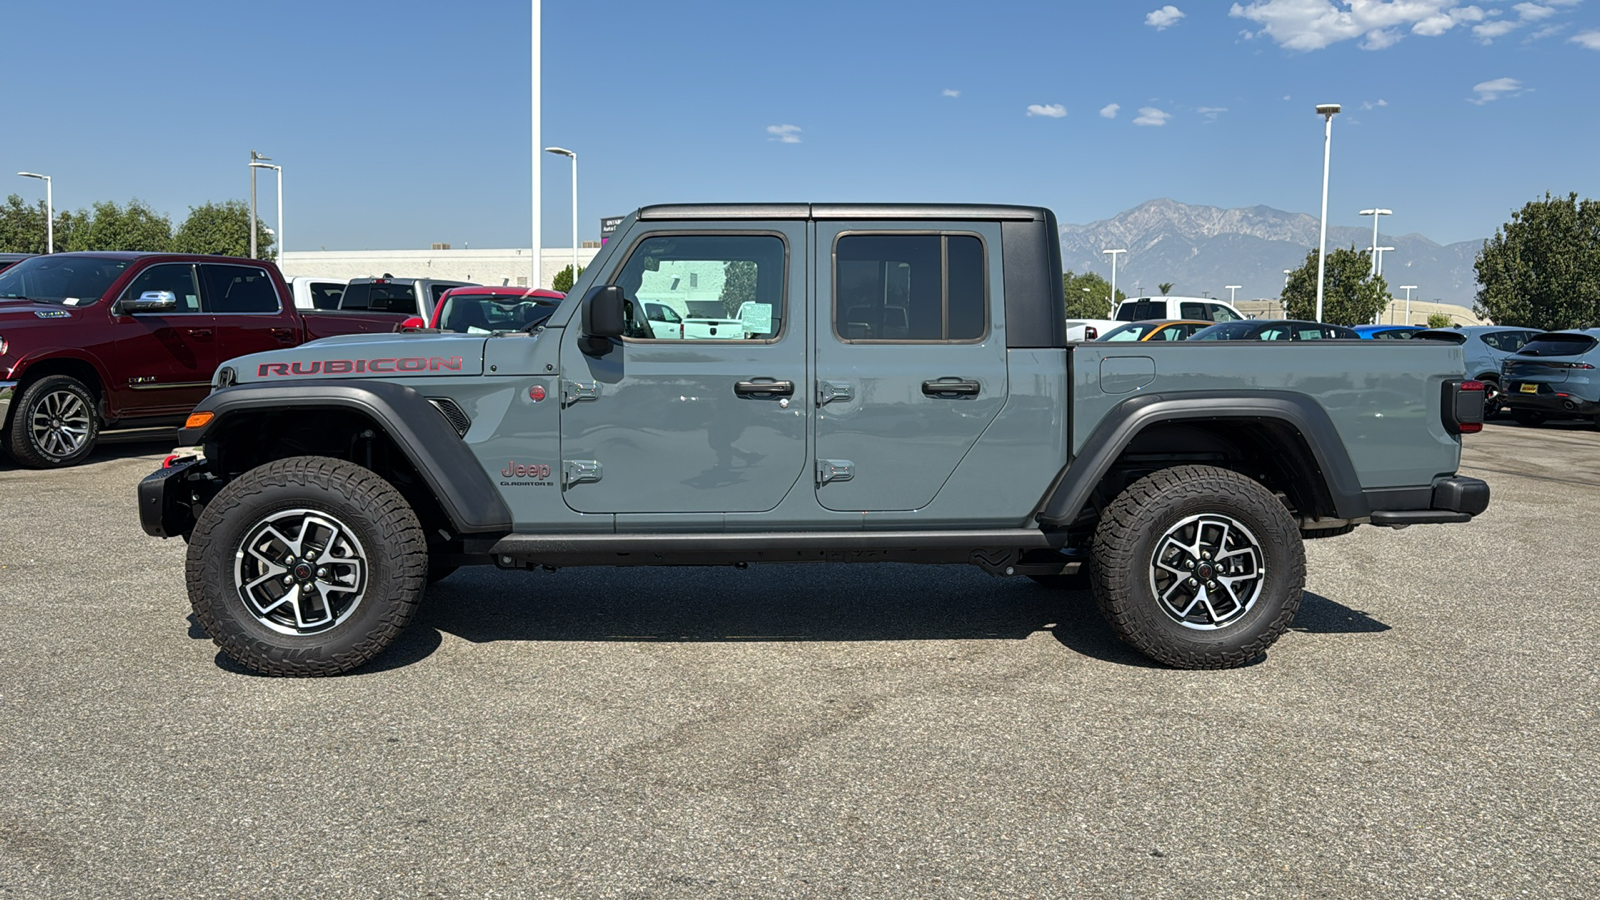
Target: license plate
{"points": [[1530, 389]]}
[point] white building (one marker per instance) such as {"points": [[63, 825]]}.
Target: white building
{"points": [[512, 267]]}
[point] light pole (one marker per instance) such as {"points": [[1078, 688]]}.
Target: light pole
{"points": [[1327, 111], [254, 158], [49, 211], [1114, 277], [533, 74], [1375, 213], [279, 233], [1377, 258], [1408, 288], [1231, 288], [561, 152]]}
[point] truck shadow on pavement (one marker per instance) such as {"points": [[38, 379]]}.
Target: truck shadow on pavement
{"points": [[780, 604], [111, 449]]}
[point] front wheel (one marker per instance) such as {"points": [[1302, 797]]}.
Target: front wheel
{"points": [[306, 566], [54, 424], [1198, 567]]}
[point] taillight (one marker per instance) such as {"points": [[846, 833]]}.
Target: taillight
{"points": [[1462, 406], [1090, 333], [680, 331]]}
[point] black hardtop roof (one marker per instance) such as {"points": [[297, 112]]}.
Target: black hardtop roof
{"points": [[927, 211]]}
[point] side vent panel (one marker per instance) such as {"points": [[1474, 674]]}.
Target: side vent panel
{"points": [[452, 414]]}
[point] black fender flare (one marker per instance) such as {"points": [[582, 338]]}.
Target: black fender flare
{"points": [[464, 491], [1127, 419]]}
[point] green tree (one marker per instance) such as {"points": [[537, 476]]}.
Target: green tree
{"points": [[107, 226], [564, 279], [1542, 268], [1439, 320], [222, 229], [1086, 296], [1165, 286], [738, 284], [1351, 294], [22, 226]]}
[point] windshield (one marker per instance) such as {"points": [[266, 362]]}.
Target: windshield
{"points": [[62, 280], [1132, 332], [1558, 344], [487, 313]]}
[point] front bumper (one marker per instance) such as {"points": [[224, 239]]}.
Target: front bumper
{"points": [[171, 497], [7, 389]]}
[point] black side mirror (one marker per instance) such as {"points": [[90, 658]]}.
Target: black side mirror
{"points": [[604, 316]]}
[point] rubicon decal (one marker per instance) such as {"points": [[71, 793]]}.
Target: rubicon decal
{"points": [[383, 365]]}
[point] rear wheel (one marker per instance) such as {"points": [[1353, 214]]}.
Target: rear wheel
{"points": [[53, 424], [1198, 567], [306, 566], [1493, 397], [1525, 417]]}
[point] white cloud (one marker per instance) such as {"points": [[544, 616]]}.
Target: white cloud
{"points": [[1149, 115], [1314, 24], [1048, 110], [1374, 104], [949, 92], [1211, 112], [1489, 91], [787, 134], [1590, 39], [1164, 18], [1109, 111]]}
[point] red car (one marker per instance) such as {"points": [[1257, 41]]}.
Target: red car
{"points": [[115, 340], [482, 310]]}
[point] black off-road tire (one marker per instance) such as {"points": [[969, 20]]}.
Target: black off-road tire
{"points": [[1529, 418], [55, 423], [379, 527], [1135, 528]]}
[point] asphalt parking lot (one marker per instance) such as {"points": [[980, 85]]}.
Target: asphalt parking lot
{"points": [[1427, 729]]}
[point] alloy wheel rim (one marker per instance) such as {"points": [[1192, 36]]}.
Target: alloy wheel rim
{"points": [[60, 423], [301, 571], [1207, 571]]}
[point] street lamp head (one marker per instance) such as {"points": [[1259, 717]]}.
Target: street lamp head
{"points": [[255, 156], [1377, 212], [1328, 109], [33, 175], [560, 151], [1408, 287]]}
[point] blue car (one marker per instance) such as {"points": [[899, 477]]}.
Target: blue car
{"points": [[1486, 347], [1554, 377], [1387, 332]]}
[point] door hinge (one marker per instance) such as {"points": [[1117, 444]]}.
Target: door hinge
{"points": [[829, 391], [834, 470], [575, 391], [578, 471]]}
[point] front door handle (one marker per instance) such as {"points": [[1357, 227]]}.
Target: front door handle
{"points": [[954, 388], [283, 335], [764, 388], [200, 334]]}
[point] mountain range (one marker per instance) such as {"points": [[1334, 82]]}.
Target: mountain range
{"points": [[1200, 249]]}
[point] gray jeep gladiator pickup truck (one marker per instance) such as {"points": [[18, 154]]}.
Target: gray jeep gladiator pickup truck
{"points": [[901, 391]]}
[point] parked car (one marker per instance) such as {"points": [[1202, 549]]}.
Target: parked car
{"points": [[1147, 309], [383, 303], [1157, 330], [485, 310], [1275, 330], [7, 260], [1387, 332], [1486, 349], [1553, 376], [664, 321], [311, 292], [94, 341], [334, 481]]}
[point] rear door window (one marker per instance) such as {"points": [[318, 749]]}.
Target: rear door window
{"points": [[326, 294], [238, 289], [909, 287]]}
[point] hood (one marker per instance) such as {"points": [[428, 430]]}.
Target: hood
{"points": [[385, 356]]}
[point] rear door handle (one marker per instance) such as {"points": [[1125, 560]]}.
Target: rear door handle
{"points": [[763, 388], [200, 334], [952, 388]]}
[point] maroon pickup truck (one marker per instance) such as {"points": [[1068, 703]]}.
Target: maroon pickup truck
{"points": [[90, 341]]}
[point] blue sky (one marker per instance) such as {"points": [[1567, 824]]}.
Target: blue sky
{"points": [[403, 123]]}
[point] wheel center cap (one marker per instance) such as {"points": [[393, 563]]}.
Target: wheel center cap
{"points": [[302, 572], [1204, 570]]}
